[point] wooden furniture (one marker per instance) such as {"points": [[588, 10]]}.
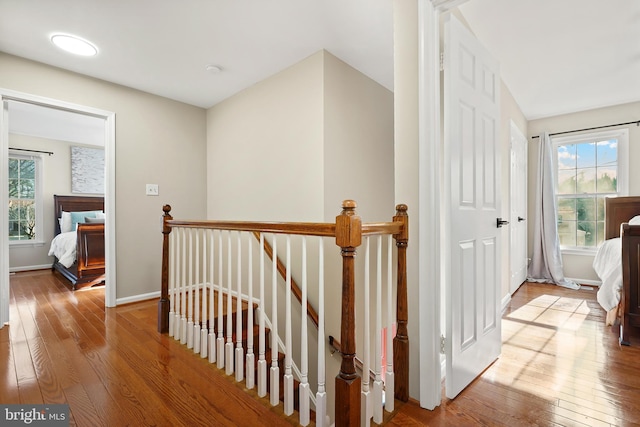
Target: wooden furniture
{"points": [[89, 268], [618, 212]]}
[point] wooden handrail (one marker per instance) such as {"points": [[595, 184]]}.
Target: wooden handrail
{"points": [[348, 231], [299, 228]]}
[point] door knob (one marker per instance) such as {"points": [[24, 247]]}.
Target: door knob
{"points": [[500, 222], [520, 219]]}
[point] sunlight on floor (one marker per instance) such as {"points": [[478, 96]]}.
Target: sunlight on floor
{"points": [[555, 354]]}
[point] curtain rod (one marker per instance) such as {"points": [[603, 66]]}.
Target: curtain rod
{"points": [[31, 151], [637, 123]]}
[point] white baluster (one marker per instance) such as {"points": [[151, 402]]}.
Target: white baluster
{"points": [[229, 343], [274, 372], [190, 293], [262, 363], [183, 320], [204, 347], [377, 383], [196, 290], [365, 395], [239, 350], [177, 285], [220, 339], [288, 376], [321, 394], [172, 282], [212, 332], [304, 409], [389, 383], [250, 362]]}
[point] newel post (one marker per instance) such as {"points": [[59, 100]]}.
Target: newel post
{"points": [[348, 237], [401, 341], [163, 304]]}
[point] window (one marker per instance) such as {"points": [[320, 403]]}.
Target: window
{"points": [[588, 169], [25, 217]]}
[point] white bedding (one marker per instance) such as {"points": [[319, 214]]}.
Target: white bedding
{"points": [[608, 266], [63, 247]]}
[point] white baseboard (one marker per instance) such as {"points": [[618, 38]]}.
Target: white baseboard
{"points": [[585, 281], [505, 302], [30, 268], [137, 298]]}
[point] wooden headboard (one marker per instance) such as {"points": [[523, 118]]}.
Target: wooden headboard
{"points": [[618, 210], [75, 204]]}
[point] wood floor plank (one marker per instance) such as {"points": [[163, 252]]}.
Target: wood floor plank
{"points": [[560, 366]]}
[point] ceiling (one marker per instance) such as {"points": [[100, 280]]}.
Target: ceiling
{"points": [[556, 56], [560, 57]]}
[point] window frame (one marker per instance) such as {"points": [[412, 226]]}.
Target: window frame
{"points": [[39, 165], [622, 135]]}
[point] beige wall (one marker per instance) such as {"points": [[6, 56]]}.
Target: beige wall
{"points": [[580, 266], [158, 141], [292, 148], [406, 162], [358, 142], [56, 179], [265, 156]]}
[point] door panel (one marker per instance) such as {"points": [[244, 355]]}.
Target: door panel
{"points": [[472, 154], [518, 214]]}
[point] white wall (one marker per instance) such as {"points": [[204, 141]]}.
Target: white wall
{"points": [[580, 266], [158, 141]]}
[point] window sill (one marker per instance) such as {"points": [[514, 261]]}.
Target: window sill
{"points": [[579, 251], [24, 244]]}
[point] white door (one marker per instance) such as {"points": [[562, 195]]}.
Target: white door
{"points": [[518, 214], [472, 180]]}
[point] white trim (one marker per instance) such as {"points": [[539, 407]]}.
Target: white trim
{"points": [[585, 281], [4, 213], [138, 298], [429, 200], [30, 268], [505, 302], [579, 251], [110, 234]]}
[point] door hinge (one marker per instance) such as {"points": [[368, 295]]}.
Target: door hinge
{"points": [[441, 61], [442, 340]]}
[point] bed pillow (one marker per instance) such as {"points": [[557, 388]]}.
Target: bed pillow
{"points": [[635, 220], [100, 215], [65, 222], [77, 217]]}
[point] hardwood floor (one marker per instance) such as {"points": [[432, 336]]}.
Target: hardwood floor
{"points": [[559, 366], [111, 366]]}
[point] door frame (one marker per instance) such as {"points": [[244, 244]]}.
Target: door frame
{"points": [[430, 197], [110, 149]]}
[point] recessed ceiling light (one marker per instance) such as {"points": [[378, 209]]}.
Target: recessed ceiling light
{"points": [[73, 44]]}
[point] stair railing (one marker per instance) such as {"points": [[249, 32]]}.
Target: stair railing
{"points": [[193, 274]]}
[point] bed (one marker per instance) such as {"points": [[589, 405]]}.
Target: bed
{"points": [[79, 252], [617, 263]]}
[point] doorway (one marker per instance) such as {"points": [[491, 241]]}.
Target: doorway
{"points": [[108, 136]]}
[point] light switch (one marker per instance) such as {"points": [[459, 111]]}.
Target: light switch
{"points": [[152, 190]]}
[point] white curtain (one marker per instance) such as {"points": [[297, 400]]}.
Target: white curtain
{"points": [[546, 261]]}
